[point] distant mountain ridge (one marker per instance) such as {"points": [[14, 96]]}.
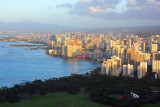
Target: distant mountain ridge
{"points": [[29, 27], [40, 27]]}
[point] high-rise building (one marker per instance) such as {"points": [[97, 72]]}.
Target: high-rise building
{"points": [[116, 50], [143, 46], [125, 42], [108, 53], [109, 67], [72, 42], [53, 38], [154, 48], [122, 54], [118, 61], [112, 66], [156, 56], [51, 44], [129, 43], [97, 54], [119, 52], [59, 39], [142, 70], [72, 48], [71, 51], [101, 45], [64, 51], [156, 67], [111, 43], [131, 56], [141, 57], [128, 69], [136, 47]]}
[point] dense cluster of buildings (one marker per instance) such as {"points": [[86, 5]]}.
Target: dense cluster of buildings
{"points": [[127, 55], [136, 54]]}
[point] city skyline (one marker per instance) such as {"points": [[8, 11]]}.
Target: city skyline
{"points": [[82, 13]]}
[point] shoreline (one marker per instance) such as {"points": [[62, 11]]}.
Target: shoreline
{"points": [[74, 58], [61, 74]]}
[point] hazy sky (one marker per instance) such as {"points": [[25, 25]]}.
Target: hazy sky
{"points": [[82, 13]]}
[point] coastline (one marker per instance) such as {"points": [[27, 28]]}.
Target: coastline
{"points": [[37, 65]]}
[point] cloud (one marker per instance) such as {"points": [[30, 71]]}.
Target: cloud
{"points": [[86, 0], [154, 2], [64, 6], [118, 9], [133, 2], [96, 9], [93, 7]]}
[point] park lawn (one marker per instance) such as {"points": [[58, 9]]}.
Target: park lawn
{"points": [[115, 96], [155, 89], [56, 100], [62, 100], [152, 105]]}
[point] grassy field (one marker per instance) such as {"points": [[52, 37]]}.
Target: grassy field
{"points": [[61, 100], [56, 100], [152, 105]]}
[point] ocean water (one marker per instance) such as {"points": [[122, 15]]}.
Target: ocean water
{"points": [[17, 65]]}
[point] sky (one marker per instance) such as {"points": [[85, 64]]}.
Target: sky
{"points": [[82, 13]]}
